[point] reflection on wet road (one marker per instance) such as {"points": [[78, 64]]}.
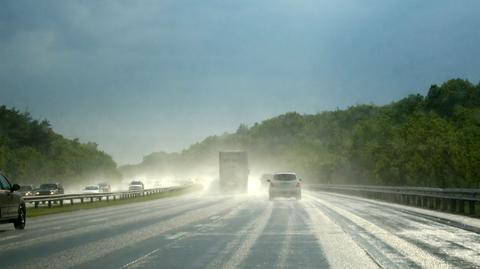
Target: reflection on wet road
{"points": [[211, 231]]}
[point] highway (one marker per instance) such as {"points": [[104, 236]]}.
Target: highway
{"points": [[245, 231]]}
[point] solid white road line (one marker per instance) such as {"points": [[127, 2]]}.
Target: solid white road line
{"points": [[340, 249], [286, 244], [414, 253]]}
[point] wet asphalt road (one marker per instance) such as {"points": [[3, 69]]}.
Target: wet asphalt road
{"points": [[208, 231]]}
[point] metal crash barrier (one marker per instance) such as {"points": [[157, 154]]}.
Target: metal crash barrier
{"points": [[460, 201], [60, 199]]}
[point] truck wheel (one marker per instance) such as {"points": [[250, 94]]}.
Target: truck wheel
{"points": [[19, 223]]}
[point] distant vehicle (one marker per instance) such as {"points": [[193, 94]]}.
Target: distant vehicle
{"points": [[26, 190], [12, 206], [285, 185], [135, 185], [91, 189], [49, 189], [104, 187], [233, 171]]}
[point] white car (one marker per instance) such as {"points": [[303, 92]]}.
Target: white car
{"points": [[285, 185], [91, 189], [136, 185]]}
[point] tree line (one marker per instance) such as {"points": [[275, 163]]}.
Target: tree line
{"points": [[32, 153], [431, 141]]}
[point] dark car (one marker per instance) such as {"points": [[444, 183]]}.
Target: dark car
{"points": [[26, 190], [12, 206], [49, 189]]}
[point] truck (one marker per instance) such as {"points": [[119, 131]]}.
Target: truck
{"points": [[233, 171]]}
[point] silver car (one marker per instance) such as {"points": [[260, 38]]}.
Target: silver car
{"points": [[12, 206], [285, 185]]}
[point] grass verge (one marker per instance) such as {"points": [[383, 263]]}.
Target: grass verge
{"points": [[41, 211]]}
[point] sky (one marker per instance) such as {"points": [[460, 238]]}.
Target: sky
{"points": [[143, 76]]}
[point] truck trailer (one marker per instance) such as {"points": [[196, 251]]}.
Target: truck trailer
{"points": [[233, 171]]}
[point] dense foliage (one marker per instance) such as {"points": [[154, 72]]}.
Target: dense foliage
{"points": [[31, 152], [431, 140]]}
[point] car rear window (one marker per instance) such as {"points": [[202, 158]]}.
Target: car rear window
{"points": [[284, 177]]}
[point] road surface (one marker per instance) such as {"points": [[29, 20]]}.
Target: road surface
{"points": [[247, 231]]}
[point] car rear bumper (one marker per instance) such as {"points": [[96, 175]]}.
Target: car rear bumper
{"points": [[285, 192]]}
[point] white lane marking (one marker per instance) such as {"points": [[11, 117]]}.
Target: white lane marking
{"points": [[176, 236], [244, 249], [234, 212], [339, 248], [144, 260], [409, 250], [139, 259], [97, 220], [140, 262], [9, 237], [239, 236], [285, 249], [242, 233], [90, 228], [97, 249], [438, 235]]}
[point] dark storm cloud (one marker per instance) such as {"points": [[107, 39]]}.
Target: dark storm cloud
{"points": [[140, 76]]}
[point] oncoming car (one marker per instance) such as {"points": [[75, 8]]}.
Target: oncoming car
{"points": [[285, 185], [136, 186], [49, 189], [26, 190], [12, 206], [91, 189]]}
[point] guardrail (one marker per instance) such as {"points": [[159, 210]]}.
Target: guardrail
{"points": [[461, 201], [81, 198]]}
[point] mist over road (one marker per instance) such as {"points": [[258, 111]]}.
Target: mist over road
{"points": [[245, 231]]}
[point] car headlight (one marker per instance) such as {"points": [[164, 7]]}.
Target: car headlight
{"points": [[52, 192], [37, 193]]}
